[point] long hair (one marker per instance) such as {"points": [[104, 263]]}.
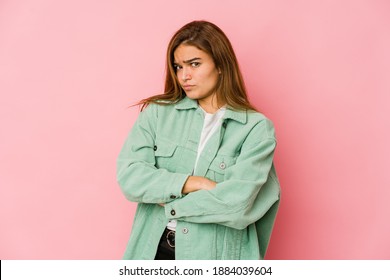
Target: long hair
{"points": [[208, 37]]}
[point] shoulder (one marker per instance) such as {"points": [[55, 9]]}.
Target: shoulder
{"points": [[261, 125], [254, 116], [154, 109], [165, 108], [249, 126], [249, 119]]}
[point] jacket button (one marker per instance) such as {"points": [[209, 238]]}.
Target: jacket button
{"points": [[184, 230], [173, 196], [222, 165], [155, 148], [173, 212]]}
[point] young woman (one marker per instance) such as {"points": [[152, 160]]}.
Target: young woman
{"points": [[199, 159]]}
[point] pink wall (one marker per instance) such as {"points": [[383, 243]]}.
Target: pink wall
{"points": [[69, 69]]}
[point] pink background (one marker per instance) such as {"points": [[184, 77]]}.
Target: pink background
{"points": [[70, 69]]}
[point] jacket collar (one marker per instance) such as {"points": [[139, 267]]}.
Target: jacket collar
{"points": [[239, 116], [187, 103]]}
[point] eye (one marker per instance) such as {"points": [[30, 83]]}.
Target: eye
{"points": [[176, 67], [195, 64]]}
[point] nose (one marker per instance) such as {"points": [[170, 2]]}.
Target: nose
{"points": [[186, 74]]}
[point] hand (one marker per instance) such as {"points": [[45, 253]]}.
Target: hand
{"points": [[196, 183]]}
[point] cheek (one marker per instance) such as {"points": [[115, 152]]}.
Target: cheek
{"points": [[213, 79], [210, 78]]}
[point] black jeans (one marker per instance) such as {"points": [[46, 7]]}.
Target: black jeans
{"points": [[164, 250]]}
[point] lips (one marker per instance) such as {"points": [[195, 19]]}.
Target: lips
{"points": [[187, 87]]}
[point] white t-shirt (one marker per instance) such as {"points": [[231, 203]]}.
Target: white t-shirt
{"points": [[210, 125]]}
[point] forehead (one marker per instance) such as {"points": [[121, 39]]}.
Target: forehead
{"points": [[187, 52]]}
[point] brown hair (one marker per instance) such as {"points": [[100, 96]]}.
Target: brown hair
{"points": [[209, 38]]}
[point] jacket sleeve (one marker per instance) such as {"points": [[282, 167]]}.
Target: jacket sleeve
{"points": [[139, 179], [249, 189]]}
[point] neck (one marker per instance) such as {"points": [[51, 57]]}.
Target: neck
{"points": [[210, 109], [210, 106]]}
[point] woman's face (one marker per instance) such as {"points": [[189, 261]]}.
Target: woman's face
{"points": [[197, 75]]}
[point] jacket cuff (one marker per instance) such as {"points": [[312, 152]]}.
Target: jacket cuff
{"points": [[178, 209], [175, 187]]}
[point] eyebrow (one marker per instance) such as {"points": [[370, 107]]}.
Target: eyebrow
{"points": [[190, 60]]}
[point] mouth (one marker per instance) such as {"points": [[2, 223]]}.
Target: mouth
{"points": [[187, 87]]}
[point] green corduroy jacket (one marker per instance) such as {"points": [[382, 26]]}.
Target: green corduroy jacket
{"points": [[232, 221]]}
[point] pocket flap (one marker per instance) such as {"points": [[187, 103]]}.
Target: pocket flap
{"points": [[164, 148]]}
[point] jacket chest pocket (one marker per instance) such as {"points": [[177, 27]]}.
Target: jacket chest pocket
{"points": [[218, 167], [164, 152]]}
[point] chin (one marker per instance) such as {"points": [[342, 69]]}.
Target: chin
{"points": [[192, 96]]}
